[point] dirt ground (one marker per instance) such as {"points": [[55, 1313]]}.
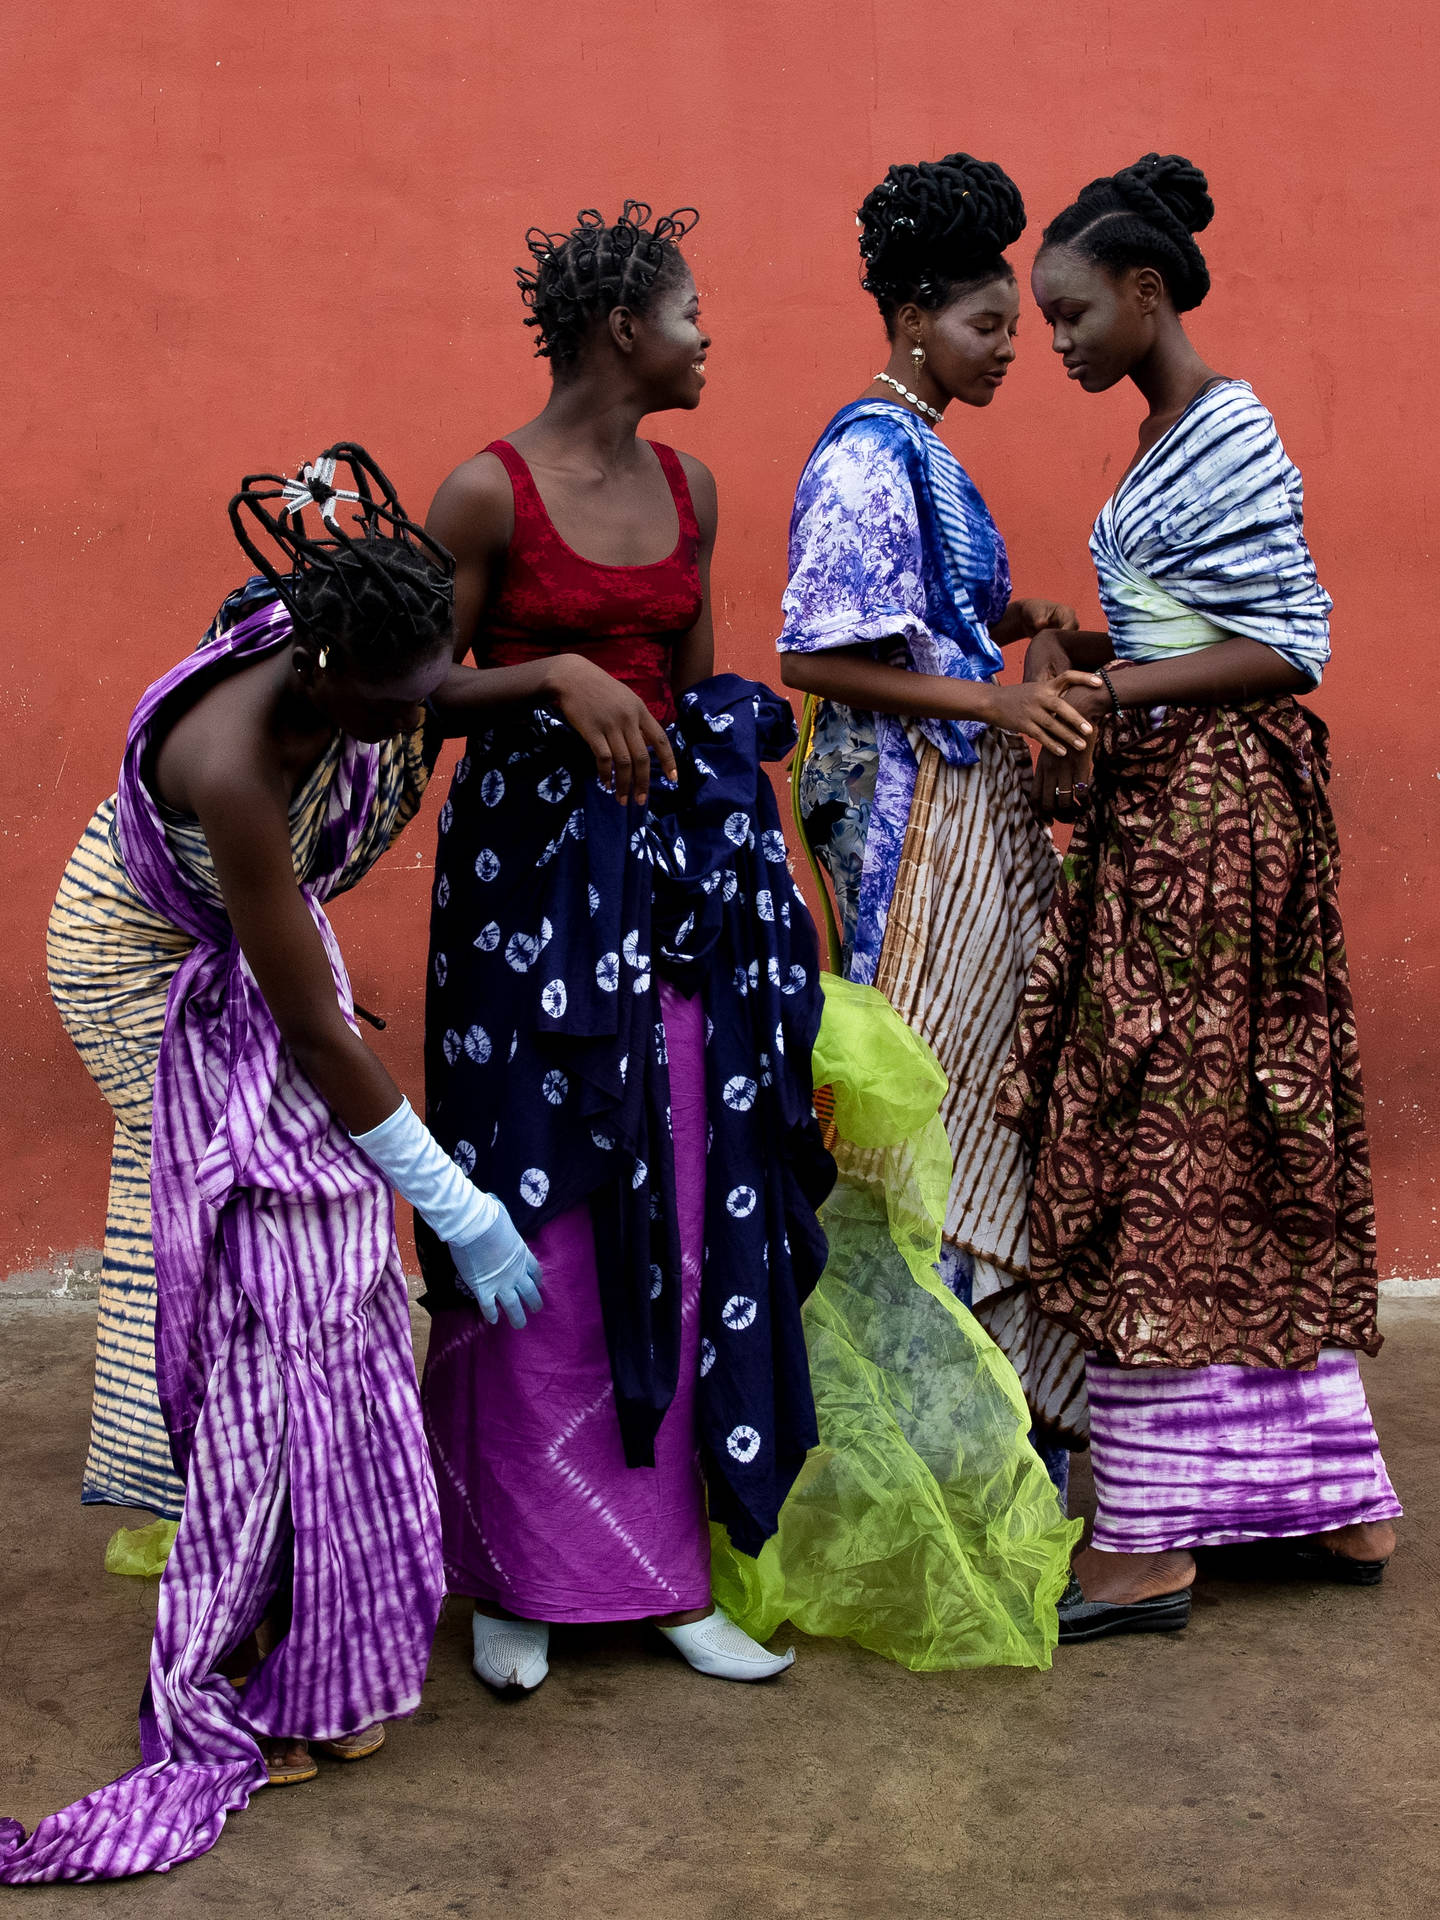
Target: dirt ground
{"points": [[1277, 1759]]}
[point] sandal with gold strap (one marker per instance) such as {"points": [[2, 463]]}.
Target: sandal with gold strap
{"points": [[353, 1746]]}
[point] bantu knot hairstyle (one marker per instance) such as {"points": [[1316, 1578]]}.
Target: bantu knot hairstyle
{"points": [[580, 277], [927, 231], [1144, 216], [369, 583]]}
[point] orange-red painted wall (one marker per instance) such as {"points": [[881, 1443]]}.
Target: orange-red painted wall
{"points": [[235, 233]]}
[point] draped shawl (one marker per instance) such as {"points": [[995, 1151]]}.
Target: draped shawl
{"points": [[1205, 537]]}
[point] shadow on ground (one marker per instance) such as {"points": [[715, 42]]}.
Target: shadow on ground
{"points": [[1277, 1759]]}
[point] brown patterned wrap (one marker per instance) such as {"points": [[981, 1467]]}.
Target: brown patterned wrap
{"points": [[1185, 1070]]}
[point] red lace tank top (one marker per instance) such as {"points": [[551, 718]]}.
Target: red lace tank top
{"points": [[626, 619]]}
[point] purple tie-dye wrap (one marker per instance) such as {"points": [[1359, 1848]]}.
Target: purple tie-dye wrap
{"points": [[285, 1368], [1213, 1456]]}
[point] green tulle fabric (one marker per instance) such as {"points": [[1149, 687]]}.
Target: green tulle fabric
{"points": [[924, 1525], [141, 1551]]}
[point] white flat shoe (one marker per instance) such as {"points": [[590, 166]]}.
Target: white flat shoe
{"points": [[510, 1653], [717, 1646]]}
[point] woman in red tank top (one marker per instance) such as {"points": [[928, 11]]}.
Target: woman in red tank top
{"points": [[582, 581], [582, 551]]}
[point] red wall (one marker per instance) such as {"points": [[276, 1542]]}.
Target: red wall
{"points": [[235, 233]]}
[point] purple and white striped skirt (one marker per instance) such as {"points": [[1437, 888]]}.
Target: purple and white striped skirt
{"points": [[1211, 1456]]}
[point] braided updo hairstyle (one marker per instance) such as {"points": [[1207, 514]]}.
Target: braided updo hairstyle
{"points": [[579, 278], [1144, 216], [370, 586], [930, 230]]}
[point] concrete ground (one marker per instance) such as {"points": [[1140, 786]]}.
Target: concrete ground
{"points": [[1277, 1759]]}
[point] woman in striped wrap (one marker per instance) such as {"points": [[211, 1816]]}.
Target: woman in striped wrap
{"points": [[264, 773], [915, 793], [1186, 1068]]}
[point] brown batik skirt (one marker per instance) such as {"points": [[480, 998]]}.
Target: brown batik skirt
{"points": [[1185, 1069]]}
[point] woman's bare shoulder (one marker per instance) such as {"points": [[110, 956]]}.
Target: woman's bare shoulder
{"points": [[219, 744], [474, 507], [701, 482]]}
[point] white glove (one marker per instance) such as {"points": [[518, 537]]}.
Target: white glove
{"points": [[490, 1258], [499, 1267]]}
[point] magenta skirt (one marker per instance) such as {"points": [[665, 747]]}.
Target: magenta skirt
{"points": [[540, 1514]]}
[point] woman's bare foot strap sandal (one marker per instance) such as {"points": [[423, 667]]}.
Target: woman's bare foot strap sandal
{"points": [[353, 1746]]}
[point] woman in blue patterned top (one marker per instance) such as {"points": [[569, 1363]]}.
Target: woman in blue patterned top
{"points": [[896, 614], [1186, 1068], [915, 796]]}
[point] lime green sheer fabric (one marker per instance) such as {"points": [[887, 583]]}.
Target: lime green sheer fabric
{"points": [[141, 1551], [924, 1525]]}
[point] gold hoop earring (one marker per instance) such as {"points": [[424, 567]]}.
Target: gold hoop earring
{"points": [[917, 354]]}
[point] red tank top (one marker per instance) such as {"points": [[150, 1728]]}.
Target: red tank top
{"points": [[625, 619]]}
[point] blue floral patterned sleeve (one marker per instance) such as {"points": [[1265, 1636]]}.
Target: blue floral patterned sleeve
{"points": [[857, 575], [857, 569]]}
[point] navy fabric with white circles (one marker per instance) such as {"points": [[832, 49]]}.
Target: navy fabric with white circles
{"points": [[555, 910]]}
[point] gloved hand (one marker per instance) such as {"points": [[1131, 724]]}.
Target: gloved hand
{"points": [[491, 1259], [500, 1270]]}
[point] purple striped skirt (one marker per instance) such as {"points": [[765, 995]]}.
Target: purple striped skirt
{"points": [[1211, 1456]]}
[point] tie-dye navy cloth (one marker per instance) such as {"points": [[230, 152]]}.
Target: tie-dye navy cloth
{"points": [[546, 1075]]}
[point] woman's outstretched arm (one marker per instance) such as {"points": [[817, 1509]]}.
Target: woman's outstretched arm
{"points": [[1045, 711], [1232, 670], [1053, 651], [245, 820], [614, 723], [1023, 619]]}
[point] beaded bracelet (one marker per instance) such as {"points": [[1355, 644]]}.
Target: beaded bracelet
{"points": [[1110, 688]]}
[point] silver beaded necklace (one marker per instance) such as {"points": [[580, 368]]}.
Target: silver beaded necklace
{"points": [[930, 413]]}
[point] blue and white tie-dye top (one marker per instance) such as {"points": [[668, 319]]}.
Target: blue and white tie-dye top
{"points": [[1204, 538]]}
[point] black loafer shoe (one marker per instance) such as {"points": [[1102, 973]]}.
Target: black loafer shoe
{"points": [[1082, 1619], [1339, 1566]]}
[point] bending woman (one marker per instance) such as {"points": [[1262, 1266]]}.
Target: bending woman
{"points": [[916, 790], [1186, 1068], [622, 1004], [194, 967]]}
